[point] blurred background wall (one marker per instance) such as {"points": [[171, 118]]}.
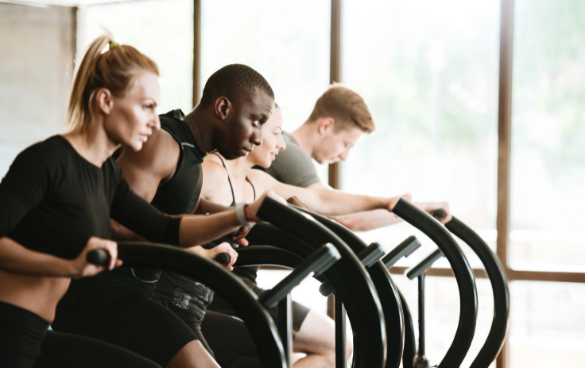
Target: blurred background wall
{"points": [[36, 66]]}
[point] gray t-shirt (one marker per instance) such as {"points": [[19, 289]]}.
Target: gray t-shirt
{"points": [[293, 165]]}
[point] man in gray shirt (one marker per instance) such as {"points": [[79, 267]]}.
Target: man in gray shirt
{"points": [[295, 166], [339, 119]]}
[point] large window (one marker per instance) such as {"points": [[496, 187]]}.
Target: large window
{"points": [[161, 29], [547, 181], [548, 132], [285, 41], [428, 71], [547, 324]]}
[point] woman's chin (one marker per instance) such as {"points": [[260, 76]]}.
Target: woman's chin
{"points": [[266, 164], [136, 146]]}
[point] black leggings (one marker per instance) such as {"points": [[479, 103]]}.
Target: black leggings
{"points": [[225, 337], [26, 343], [124, 312], [74, 351], [230, 340]]}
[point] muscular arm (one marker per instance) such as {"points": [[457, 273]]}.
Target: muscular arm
{"points": [[366, 221], [156, 162], [324, 201], [145, 170], [363, 221], [197, 229], [205, 206], [378, 218]]}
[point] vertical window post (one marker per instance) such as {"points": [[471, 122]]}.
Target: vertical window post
{"points": [[196, 51], [334, 76], [504, 143]]}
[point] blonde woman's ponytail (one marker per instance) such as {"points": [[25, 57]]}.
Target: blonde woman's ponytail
{"points": [[115, 69]]}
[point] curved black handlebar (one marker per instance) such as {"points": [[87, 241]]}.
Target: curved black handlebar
{"points": [[497, 276], [100, 257], [358, 294], [387, 290], [235, 292], [463, 275], [263, 255]]}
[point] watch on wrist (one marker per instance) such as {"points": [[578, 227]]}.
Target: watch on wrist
{"points": [[241, 215]]}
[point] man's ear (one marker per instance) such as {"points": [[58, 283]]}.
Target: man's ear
{"points": [[325, 126], [104, 100], [223, 108]]}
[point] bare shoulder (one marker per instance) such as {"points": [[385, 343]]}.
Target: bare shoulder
{"points": [[262, 181], [261, 177], [215, 181], [214, 174], [159, 155], [211, 159], [212, 168]]}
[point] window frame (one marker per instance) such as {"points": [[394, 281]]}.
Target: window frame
{"points": [[504, 147]]}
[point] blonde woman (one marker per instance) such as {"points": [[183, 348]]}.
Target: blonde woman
{"points": [[58, 196]]}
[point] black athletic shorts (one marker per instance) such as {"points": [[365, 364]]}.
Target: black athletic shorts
{"points": [[120, 310], [299, 311]]}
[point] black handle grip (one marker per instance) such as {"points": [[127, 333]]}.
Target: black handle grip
{"points": [[368, 257], [98, 257], [404, 249], [372, 254], [439, 214], [223, 258], [424, 265], [318, 262]]}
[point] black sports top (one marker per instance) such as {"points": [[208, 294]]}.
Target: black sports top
{"points": [[183, 292], [52, 200], [246, 272], [180, 194]]}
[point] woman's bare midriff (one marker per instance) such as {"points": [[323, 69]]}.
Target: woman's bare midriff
{"points": [[39, 295]]}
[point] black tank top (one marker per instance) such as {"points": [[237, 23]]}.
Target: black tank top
{"points": [[180, 194], [230, 182], [249, 273], [183, 292]]}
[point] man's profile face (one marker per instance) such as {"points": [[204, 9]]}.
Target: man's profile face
{"points": [[243, 128], [335, 145]]}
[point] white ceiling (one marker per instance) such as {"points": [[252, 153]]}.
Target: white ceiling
{"points": [[44, 3]]}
